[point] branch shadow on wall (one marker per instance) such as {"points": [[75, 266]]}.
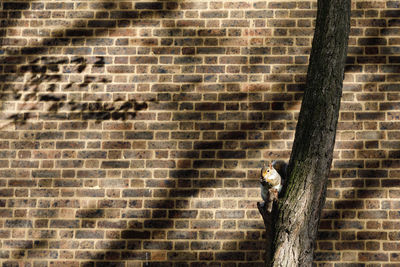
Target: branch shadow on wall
{"points": [[38, 84], [42, 89], [39, 74]]}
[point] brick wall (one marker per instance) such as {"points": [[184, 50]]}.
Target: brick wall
{"points": [[132, 133]]}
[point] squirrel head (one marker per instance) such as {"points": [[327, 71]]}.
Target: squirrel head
{"points": [[266, 171], [268, 174]]}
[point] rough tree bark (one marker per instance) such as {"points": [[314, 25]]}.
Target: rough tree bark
{"points": [[293, 223]]}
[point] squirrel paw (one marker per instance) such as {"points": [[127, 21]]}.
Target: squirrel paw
{"points": [[274, 193]]}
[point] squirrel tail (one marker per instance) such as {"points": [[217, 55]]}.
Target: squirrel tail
{"points": [[281, 167]]}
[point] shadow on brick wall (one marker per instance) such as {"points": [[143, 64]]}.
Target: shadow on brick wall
{"points": [[38, 79], [214, 146], [36, 75]]}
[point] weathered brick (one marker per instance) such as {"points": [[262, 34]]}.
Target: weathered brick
{"points": [[231, 154], [115, 164], [18, 244], [232, 135], [98, 213], [15, 5], [64, 223], [18, 223], [228, 256], [25, 145], [349, 204], [136, 193], [207, 163], [89, 234], [372, 214], [208, 145], [90, 193], [124, 14], [162, 145], [367, 256], [139, 135], [210, 50], [4, 192], [371, 235], [149, 5], [44, 193], [132, 234], [101, 23], [172, 235], [89, 255]]}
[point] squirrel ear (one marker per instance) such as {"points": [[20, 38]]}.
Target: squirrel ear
{"points": [[270, 165]]}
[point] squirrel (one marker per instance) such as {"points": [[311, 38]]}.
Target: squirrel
{"points": [[272, 179]]}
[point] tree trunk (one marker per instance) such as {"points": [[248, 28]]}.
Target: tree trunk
{"points": [[295, 223]]}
